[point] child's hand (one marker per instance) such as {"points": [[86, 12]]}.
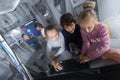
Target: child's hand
{"points": [[52, 57], [85, 59], [80, 56], [57, 66]]}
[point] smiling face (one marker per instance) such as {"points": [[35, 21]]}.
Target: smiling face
{"points": [[52, 34], [70, 28]]}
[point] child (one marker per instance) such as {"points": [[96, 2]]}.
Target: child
{"points": [[96, 41], [33, 42], [40, 28], [71, 31], [95, 36], [56, 42]]}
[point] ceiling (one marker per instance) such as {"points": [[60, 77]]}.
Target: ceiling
{"points": [[8, 5]]}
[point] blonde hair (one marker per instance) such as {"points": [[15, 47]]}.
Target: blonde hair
{"points": [[89, 5], [86, 15]]}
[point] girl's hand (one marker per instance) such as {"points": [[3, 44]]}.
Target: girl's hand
{"points": [[85, 59], [80, 56]]}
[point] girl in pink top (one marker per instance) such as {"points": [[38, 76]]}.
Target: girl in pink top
{"points": [[95, 36], [96, 41]]}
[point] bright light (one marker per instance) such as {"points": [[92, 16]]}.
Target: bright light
{"points": [[46, 14], [15, 32]]}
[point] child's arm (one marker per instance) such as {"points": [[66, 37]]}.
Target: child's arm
{"points": [[62, 43], [49, 48], [103, 46], [86, 42], [50, 55], [56, 64]]}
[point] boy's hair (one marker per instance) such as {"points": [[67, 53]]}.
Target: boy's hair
{"points": [[23, 35], [48, 28], [86, 14], [37, 24], [67, 19], [89, 5]]}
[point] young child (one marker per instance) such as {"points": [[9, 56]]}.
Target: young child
{"points": [[96, 40], [71, 31], [95, 36], [32, 41], [56, 47], [40, 28]]}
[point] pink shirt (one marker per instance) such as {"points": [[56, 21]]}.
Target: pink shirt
{"points": [[96, 43]]}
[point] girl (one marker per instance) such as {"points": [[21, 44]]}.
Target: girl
{"points": [[96, 41], [95, 36]]}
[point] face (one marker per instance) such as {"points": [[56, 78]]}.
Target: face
{"points": [[26, 37], [70, 28], [38, 28], [52, 35], [88, 25]]}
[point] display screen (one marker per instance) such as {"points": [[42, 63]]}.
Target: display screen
{"points": [[29, 28]]}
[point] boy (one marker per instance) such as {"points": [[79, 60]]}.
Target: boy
{"points": [[71, 31], [33, 42], [56, 42]]}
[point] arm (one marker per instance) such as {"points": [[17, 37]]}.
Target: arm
{"points": [[35, 43], [49, 48], [78, 37], [48, 53], [57, 65], [103, 46], [35, 40], [62, 44], [66, 38], [86, 42], [30, 42], [43, 32], [67, 45], [80, 42]]}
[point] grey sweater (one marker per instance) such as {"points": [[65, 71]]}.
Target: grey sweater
{"points": [[53, 44]]}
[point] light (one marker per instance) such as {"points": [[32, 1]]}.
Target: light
{"points": [[46, 14], [16, 34], [15, 31], [8, 5]]}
